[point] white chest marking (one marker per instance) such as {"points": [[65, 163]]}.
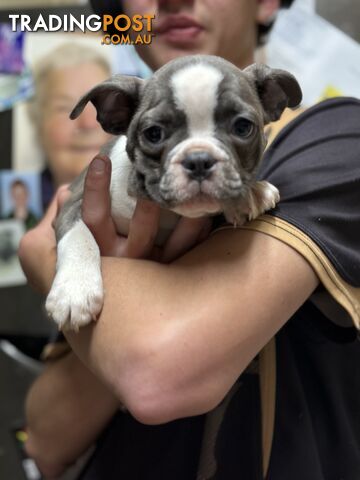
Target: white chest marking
{"points": [[195, 91], [122, 205]]}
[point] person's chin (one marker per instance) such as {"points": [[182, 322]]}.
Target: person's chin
{"points": [[83, 156], [76, 161]]}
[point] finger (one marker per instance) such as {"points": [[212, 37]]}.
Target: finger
{"points": [[205, 232], [143, 229], [51, 212], [39, 240], [49, 216], [96, 205], [188, 233], [62, 194]]}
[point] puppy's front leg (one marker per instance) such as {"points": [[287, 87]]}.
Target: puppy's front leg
{"points": [[76, 295], [261, 196]]}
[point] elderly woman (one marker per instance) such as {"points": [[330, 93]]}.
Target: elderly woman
{"points": [[61, 77]]}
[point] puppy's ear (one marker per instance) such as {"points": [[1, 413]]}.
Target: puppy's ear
{"points": [[115, 101], [277, 89]]}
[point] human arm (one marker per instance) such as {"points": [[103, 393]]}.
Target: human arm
{"points": [[66, 408], [183, 333], [54, 405], [172, 339]]}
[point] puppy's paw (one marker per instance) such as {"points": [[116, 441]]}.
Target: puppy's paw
{"points": [[263, 196], [235, 216], [75, 300]]}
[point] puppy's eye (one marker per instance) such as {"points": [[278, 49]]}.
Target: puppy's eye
{"points": [[242, 127], [154, 134]]}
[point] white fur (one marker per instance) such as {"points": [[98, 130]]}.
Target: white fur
{"points": [[208, 144], [195, 92], [263, 196], [198, 208], [122, 205], [186, 189], [180, 181], [76, 295]]}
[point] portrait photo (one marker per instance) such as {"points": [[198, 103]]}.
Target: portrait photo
{"points": [[20, 197], [11, 273]]}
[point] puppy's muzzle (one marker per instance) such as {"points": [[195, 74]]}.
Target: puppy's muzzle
{"points": [[198, 165]]}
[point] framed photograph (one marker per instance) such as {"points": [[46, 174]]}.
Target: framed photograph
{"points": [[11, 273], [20, 197]]}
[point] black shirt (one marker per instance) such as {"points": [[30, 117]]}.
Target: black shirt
{"points": [[315, 163]]}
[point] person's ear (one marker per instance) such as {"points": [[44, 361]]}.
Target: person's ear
{"points": [[115, 101], [266, 11]]}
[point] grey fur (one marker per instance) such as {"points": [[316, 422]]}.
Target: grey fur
{"points": [[71, 210], [184, 171], [128, 105]]}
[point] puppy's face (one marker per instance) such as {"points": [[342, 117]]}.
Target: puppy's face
{"points": [[196, 139], [195, 129]]}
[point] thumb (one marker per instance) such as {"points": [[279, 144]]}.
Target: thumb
{"points": [[96, 204]]}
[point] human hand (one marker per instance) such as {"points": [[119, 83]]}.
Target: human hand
{"points": [[140, 243], [37, 249]]}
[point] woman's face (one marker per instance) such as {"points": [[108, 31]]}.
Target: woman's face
{"points": [[70, 145], [227, 28]]}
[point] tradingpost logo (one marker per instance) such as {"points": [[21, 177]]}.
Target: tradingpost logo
{"points": [[135, 30]]}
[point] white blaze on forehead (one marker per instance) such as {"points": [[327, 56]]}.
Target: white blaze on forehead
{"points": [[195, 91]]}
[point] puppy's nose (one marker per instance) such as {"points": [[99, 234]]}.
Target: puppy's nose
{"points": [[198, 165]]}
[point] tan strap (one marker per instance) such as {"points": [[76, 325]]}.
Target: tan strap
{"points": [[55, 350], [207, 461], [345, 294], [267, 368]]}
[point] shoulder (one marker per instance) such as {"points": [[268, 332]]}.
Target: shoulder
{"points": [[330, 117], [315, 164], [326, 135]]}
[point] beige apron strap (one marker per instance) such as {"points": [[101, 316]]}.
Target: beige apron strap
{"points": [[267, 379], [207, 461], [267, 368]]}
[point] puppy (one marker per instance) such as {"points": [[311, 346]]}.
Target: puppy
{"points": [[194, 142]]}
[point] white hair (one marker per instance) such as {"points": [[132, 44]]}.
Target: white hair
{"points": [[65, 55]]}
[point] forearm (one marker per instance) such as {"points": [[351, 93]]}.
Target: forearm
{"points": [[181, 334], [66, 409], [139, 310], [172, 339]]}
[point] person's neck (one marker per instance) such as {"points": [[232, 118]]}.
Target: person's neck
{"points": [[244, 61]]}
